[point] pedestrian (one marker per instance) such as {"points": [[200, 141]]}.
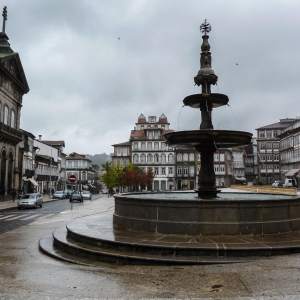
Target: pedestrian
{"points": [[13, 194], [45, 191], [3, 191]]}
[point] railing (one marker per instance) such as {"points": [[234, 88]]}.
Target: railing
{"points": [[10, 133]]}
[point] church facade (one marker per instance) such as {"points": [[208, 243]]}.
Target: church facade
{"points": [[13, 85]]}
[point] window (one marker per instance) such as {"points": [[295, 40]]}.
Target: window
{"points": [[179, 157], [156, 158], [135, 146], [170, 171], [149, 145], [269, 145], [150, 135], [192, 170], [143, 145], [191, 157], [185, 157], [179, 171], [276, 156], [5, 121], [185, 171], [156, 146], [163, 171], [275, 133], [69, 163], [262, 146], [118, 161], [143, 158], [163, 158], [76, 164], [276, 145], [135, 158], [262, 157], [222, 157], [269, 157], [198, 157], [262, 134], [216, 157], [269, 134], [156, 172], [149, 158], [12, 119], [119, 151], [163, 145], [171, 158]]}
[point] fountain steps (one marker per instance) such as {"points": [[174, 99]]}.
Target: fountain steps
{"points": [[93, 240]]}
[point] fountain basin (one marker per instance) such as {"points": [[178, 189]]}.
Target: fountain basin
{"points": [[185, 213], [208, 137], [198, 100]]}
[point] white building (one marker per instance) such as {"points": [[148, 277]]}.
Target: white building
{"points": [[148, 149]]}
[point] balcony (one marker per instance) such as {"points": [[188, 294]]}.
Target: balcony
{"points": [[9, 134], [29, 173]]}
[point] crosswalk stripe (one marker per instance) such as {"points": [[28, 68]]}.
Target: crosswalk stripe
{"points": [[30, 217], [5, 217], [12, 218]]}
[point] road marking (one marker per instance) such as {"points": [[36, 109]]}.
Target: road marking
{"points": [[30, 217], [5, 217], [13, 218]]}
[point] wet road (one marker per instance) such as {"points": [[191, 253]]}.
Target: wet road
{"points": [[26, 273], [13, 218]]}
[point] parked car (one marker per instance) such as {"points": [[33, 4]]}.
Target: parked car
{"points": [[59, 195], [86, 195], [68, 193], [278, 183], [32, 200], [104, 191], [76, 196]]}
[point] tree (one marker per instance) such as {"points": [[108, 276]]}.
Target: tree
{"points": [[150, 178], [109, 177]]}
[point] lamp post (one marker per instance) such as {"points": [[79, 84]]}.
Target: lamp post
{"points": [[50, 185]]}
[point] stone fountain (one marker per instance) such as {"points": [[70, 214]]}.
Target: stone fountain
{"points": [[186, 228]]}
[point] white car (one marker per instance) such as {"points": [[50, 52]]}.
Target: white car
{"points": [[104, 191], [86, 195], [59, 195], [30, 200]]}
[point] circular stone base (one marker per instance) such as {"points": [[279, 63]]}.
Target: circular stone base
{"points": [[185, 213]]}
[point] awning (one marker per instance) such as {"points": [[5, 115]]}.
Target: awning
{"points": [[25, 178], [241, 178], [33, 181], [292, 172]]}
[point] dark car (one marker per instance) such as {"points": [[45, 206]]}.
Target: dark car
{"points": [[76, 196]]}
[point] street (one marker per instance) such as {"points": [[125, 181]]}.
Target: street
{"points": [[12, 218]]}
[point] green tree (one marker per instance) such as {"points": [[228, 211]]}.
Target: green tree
{"points": [[109, 177]]}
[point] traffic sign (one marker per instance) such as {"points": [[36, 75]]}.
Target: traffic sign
{"points": [[72, 178]]}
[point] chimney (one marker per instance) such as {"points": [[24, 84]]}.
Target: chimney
{"points": [[40, 137]]}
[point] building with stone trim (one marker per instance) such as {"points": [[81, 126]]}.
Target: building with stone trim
{"points": [[149, 150], [13, 86], [268, 151]]}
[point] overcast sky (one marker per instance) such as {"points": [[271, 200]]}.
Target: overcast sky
{"points": [[93, 66]]}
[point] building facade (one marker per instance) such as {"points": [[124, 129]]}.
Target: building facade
{"points": [[149, 150], [13, 86], [268, 142], [185, 168], [82, 168]]}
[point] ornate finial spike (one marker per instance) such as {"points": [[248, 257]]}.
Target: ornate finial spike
{"points": [[4, 15], [205, 27]]}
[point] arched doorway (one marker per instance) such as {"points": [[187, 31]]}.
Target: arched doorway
{"points": [[10, 172], [3, 169]]}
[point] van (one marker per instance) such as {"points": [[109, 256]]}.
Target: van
{"points": [[291, 183]]}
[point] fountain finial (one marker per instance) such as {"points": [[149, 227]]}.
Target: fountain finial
{"points": [[205, 27], [206, 75]]}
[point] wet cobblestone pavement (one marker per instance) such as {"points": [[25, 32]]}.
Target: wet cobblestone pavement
{"points": [[26, 273]]}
